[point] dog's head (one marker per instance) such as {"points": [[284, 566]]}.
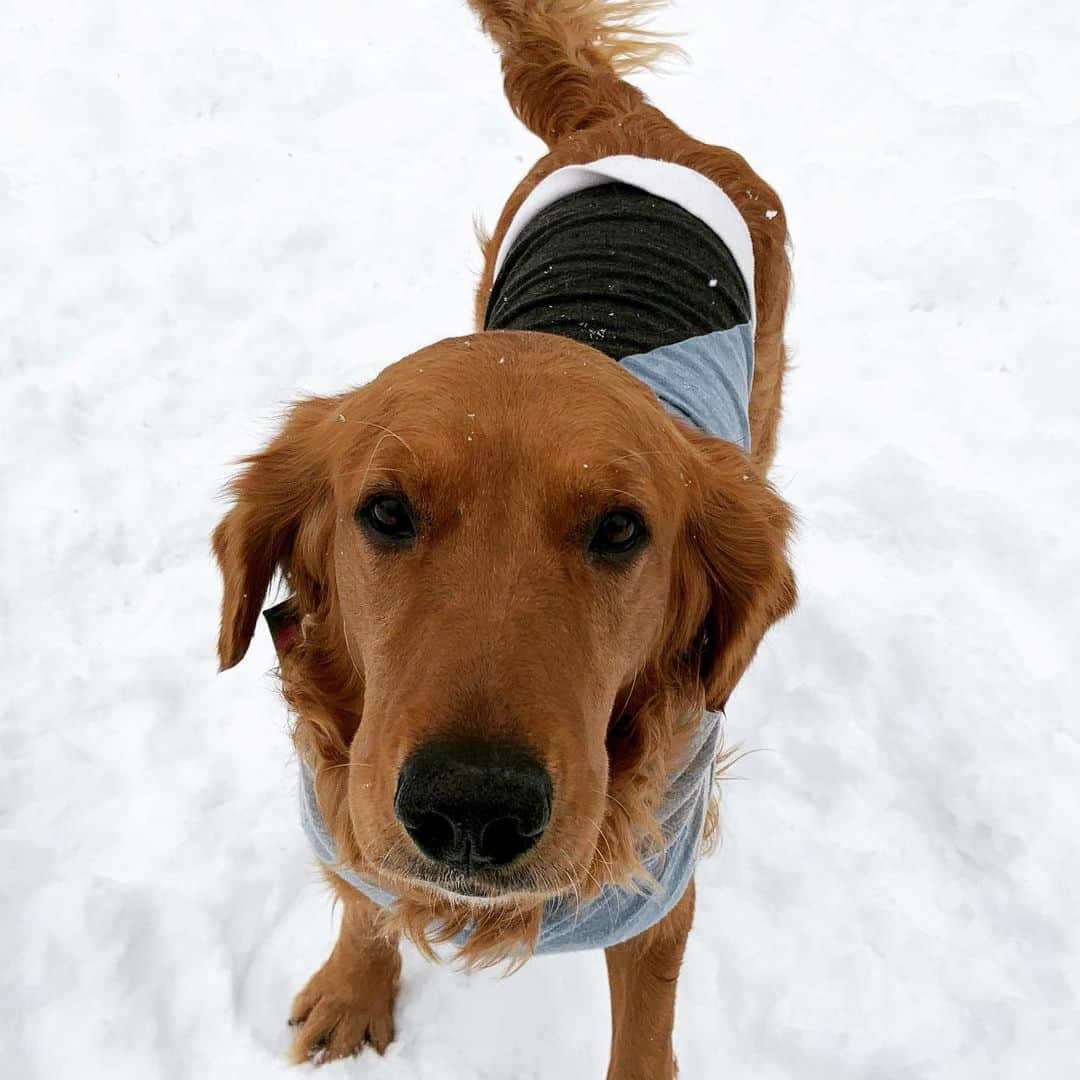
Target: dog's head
{"points": [[515, 580]]}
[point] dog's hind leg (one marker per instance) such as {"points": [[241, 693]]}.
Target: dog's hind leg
{"points": [[642, 974]]}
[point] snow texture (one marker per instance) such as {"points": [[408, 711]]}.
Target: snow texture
{"points": [[208, 209]]}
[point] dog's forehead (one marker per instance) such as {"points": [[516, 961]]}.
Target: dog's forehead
{"points": [[531, 389], [494, 402]]}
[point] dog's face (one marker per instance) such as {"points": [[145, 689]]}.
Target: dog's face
{"points": [[516, 551]]}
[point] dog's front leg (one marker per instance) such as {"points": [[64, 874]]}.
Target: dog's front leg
{"points": [[642, 974], [349, 1001]]}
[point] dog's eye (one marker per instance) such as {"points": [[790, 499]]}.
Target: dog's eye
{"points": [[389, 516], [618, 533]]}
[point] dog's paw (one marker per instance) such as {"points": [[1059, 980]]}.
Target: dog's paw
{"points": [[338, 1012]]}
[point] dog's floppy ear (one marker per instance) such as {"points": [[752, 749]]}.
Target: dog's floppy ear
{"points": [[278, 494], [739, 530]]}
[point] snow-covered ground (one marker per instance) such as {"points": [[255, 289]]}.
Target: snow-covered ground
{"points": [[207, 208]]}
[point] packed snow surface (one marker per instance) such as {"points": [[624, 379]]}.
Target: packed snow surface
{"points": [[208, 209]]}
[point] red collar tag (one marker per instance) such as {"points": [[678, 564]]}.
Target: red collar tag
{"points": [[284, 625]]}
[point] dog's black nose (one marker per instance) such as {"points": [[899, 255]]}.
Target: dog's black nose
{"points": [[474, 805]]}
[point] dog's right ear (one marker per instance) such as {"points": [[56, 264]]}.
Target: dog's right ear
{"points": [[739, 532], [275, 497]]}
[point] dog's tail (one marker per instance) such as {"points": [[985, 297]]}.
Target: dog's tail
{"points": [[563, 60]]}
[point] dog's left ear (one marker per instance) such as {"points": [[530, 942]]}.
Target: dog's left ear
{"points": [[739, 530], [274, 522]]}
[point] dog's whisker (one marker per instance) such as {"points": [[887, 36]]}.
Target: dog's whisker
{"points": [[388, 432], [629, 694], [347, 765], [608, 861], [348, 648], [618, 802], [643, 453], [571, 878], [382, 438], [591, 876], [729, 758], [631, 495]]}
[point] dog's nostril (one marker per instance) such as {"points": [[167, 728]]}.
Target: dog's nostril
{"points": [[503, 839], [433, 834], [473, 805], [533, 819]]}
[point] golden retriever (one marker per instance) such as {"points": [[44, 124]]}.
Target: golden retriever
{"points": [[517, 583]]}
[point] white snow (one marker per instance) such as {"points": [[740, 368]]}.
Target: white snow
{"points": [[210, 208]]}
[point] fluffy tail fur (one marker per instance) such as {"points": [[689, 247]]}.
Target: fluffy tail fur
{"points": [[563, 60]]}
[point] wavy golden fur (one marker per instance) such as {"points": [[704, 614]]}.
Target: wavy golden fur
{"points": [[687, 625]]}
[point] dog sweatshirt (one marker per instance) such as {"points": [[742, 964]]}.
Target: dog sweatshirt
{"points": [[652, 264], [648, 262]]}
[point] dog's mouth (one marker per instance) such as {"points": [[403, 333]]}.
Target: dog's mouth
{"points": [[479, 892], [479, 885]]}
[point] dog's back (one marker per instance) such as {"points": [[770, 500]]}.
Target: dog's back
{"points": [[564, 65]]}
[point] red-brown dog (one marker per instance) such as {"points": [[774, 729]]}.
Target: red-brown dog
{"points": [[522, 578]]}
